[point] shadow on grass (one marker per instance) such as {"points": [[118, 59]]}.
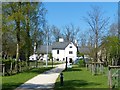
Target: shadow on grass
{"points": [[54, 70], [33, 70], [12, 81], [10, 86], [72, 69], [28, 86], [39, 70], [74, 84]]}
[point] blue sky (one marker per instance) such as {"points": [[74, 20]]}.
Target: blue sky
{"points": [[64, 13]]}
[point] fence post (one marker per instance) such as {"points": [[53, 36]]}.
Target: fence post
{"points": [[101, 68], [93, 69], [3, 65], [97, 67], [66, 64], [90, 67], [30, 65], [86, 66], [52, 61], [118, 79], [20, 66], [110, 77], [35, 63], [11, 68]]}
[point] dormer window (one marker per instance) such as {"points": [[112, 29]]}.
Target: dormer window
{"points": [[70, 46]]}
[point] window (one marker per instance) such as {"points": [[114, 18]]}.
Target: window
{"points": [[70, 46], [70, 52], [58, 59], [57, 51], [70, 60]]}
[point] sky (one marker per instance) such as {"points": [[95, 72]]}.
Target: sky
{"points": [[65, 13]]}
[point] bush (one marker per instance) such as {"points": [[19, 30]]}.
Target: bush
{"points": [[81, 63], [8, 68], [7, 63]]}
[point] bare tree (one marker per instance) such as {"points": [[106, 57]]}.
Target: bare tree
{"points": [[83, 40], [47, 35], [113, 31], [71, 33], [97, 24], [56, 33]]}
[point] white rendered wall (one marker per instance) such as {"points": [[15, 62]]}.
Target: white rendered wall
{"points": [[73, 49], [59, 56], [65, 53]]}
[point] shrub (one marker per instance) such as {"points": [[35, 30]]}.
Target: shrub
{"points": [[81, 63]]}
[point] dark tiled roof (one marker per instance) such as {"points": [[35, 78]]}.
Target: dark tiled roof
{"points": [[60, 45], [43, 49], [56, 45], [84, 49]]}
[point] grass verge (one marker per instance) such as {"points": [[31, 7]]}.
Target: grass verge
{"points": [[80, 78], [11, 82]]}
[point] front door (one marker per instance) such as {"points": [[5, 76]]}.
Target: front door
{"points": [[70, 60]]}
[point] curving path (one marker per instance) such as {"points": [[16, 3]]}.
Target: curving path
{"points": [[44, 81]]}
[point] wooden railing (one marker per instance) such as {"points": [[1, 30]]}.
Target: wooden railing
{"points": [[2, 69], [93, 65], [110, 75]]}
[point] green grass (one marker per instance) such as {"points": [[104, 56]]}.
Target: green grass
{"points": [[78, 78], [54, 63], [42, 63], [11, 82]]}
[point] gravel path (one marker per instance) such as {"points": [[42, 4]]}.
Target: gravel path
{"points": [[44, 81]]}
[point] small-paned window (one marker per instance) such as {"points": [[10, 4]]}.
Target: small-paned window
{"points": [[70, 52], [57, 51]]}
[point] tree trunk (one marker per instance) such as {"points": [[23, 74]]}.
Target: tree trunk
{"points": [[17, 57], [27, 36], [18, 39]]}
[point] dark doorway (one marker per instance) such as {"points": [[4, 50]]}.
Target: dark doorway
{"points": [[70, 60], [57, 59]]}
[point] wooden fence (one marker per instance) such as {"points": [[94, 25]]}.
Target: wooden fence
{"points": [[110, 75], [9, 69], [2, 69], [98, 65]]}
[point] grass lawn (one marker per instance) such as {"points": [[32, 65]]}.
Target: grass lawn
{"points": [[50, 62], [11, 82], [76, 78]]}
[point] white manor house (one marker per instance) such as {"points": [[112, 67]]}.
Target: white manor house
{"points": [[60, 51]]}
